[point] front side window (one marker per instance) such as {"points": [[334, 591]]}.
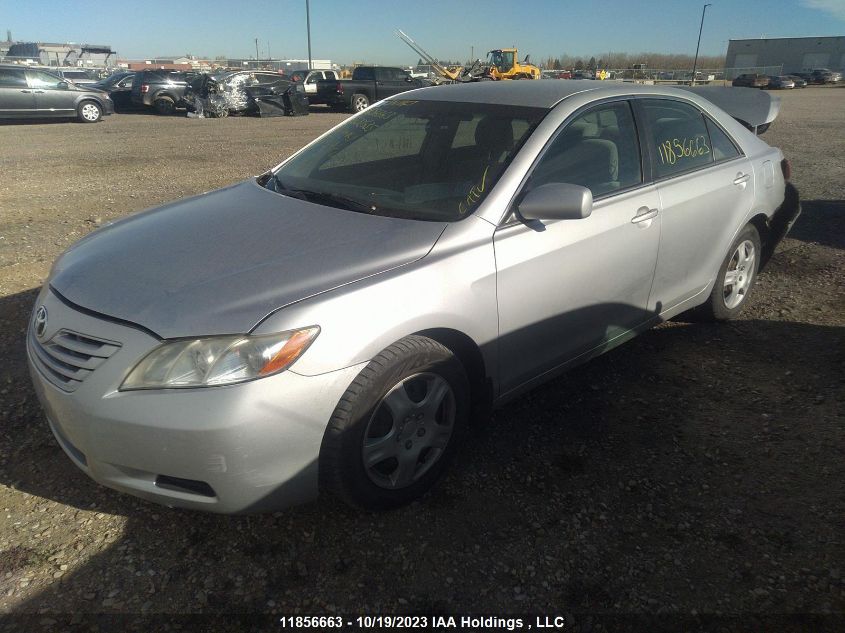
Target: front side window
{"points": [[679, 136], [39, 79], [598, 150], [426, 160]]}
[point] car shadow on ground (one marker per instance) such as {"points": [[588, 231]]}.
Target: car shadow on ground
{"points": [[821, 221], [680, 471]]}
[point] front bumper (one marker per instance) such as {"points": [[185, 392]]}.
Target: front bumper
{"points": [[242, 448], [108, 106]]}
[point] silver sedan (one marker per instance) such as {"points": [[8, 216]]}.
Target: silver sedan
{"points": [[335, 323]]}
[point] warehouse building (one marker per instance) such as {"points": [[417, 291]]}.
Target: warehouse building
{"points": [[786, 54]]}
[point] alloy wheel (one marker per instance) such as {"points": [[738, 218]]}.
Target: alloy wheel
{"points": [[409, 430], [738, 276]]}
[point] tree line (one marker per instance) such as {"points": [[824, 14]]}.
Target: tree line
{"points": [[618, 61]]}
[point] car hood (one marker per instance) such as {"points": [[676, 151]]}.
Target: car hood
{"points": [[219, 263]]}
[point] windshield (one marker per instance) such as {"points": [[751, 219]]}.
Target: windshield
{"points": [[426, 160], [503, 60]]}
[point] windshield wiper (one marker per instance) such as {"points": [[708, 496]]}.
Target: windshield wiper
{"points": [[325, 197], [333, 199]]}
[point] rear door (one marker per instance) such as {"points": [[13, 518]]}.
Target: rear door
{"points": [[53, 96], [16, 97], [706, 188], [389, 82]]}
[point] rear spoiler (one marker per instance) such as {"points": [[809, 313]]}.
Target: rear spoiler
{"points": [[754, 108]]}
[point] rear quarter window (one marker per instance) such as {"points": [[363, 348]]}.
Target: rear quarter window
{"points": [[723, 146]]}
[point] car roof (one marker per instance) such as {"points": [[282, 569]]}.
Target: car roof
{"points": [[538, 94]]}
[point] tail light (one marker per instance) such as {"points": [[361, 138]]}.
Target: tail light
{"points": [[339, 88], [786, 168], [145, 88]]}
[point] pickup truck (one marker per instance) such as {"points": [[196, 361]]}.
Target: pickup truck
{"points": [[368, 85]]}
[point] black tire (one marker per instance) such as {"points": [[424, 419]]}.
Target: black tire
{"points": [[342, 469], [89, 111], [716, 308], [164, 106], [359, 102]]}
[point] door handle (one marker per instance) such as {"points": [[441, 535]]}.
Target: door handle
{"points": [[27, 91], [741, 178], [643, 214], [38, 91]]}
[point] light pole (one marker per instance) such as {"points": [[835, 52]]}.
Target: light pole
{"points": [[697, 46], [256, 51], [308, 26]]}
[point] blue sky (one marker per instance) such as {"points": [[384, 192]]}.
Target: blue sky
{"points": [[362, 30]]}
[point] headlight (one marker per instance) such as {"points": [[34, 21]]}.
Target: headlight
{"points": [[219, 360]]}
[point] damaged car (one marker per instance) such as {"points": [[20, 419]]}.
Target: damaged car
{"points": [[238, 93], [335, 323]]}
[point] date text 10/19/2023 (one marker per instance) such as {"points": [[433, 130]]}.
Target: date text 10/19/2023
{"points": [[428, 622]]}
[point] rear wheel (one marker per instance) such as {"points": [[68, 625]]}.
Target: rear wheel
{"points": [[736, 277], [360, 102], [396, 427], [164, 105], [89, 112]]}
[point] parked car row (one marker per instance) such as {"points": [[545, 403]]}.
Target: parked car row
{"points": [[31, 92], [797, 80]]}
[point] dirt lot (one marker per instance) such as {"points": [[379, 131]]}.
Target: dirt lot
{"points": [[696, 470]]}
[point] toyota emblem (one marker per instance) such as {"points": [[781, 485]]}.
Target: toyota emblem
{"points": [[40, 321]]}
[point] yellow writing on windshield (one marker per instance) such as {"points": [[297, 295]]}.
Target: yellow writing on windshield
{"points": [[474, 194]]}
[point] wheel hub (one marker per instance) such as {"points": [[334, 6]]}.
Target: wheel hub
{"points": [[409, 430]]}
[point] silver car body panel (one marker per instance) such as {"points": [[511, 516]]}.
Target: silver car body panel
{"points": [[534, 298], [223, 261]]}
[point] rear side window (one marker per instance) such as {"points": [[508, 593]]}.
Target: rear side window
{"points": [[723, 146], [679, 136], [364, 74], [12, 78]]}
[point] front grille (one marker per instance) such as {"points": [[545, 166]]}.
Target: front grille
{"points": [[67, 358]]}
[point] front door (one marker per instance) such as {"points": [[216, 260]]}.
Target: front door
{"points": [[569, 287], [16, 98]]}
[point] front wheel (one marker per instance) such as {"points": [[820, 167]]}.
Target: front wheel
{"points": [[736, 277], [396, 427], [89, 112], [165, 106], [360, 102]]}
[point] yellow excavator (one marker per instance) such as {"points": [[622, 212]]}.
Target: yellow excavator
{"points": [[501, 63]]}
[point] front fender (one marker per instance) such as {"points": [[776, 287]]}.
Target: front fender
{"points": [[453, 287]]}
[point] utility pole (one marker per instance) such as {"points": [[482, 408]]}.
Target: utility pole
{"points": [[269, 56], [697, 46], [472, 54], [308, 26], [256, 49]]}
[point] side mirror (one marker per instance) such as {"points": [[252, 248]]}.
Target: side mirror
{"points": [[63, 85], [556, 201]]}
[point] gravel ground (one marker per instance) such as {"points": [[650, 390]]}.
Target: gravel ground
{"points": [[696, 470]]}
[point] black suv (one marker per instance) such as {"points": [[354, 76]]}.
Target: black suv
{"points": [[161, 89]]}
